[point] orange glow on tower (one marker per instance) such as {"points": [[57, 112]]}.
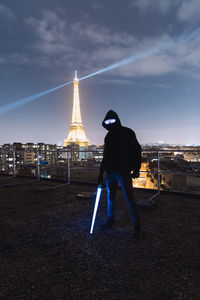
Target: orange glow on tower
{"points": [[76, 133]]}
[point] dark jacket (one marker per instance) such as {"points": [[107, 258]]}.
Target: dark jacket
{"points": [[122, 152]]}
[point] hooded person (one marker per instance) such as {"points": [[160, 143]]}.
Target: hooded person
{"points": [[121, 162]]}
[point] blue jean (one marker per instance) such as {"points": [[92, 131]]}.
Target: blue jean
{"points": [[112, 179]]}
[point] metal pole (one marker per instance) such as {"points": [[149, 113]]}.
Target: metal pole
{"points": [[14, 162], [158, 192], [38, 165], [68, 166], [158, 172]]}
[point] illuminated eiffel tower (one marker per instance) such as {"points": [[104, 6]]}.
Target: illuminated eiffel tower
{"points": [[76, 133]]}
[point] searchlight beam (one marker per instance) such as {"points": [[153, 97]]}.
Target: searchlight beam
{"points": [[8, 107], [153, 51]]}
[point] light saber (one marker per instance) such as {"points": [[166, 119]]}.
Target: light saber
{"points": [[177, 40], [98, 195]]}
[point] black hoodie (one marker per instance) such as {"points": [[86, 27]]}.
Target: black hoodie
{"points": [[122, 152]]}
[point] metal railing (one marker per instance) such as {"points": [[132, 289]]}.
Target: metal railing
{"points": [[188, 173], [86, 168]]}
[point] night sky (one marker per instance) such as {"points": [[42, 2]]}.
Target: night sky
{"points": [[43, 42]]}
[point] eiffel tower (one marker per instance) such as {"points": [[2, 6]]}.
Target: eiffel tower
{"points": [[76, 133]]}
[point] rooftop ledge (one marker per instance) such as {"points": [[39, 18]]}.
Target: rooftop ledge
{"points": [[52, 254]]}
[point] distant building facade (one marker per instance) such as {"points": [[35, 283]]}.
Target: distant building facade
{"points": [[178, 170], [26, 155]]}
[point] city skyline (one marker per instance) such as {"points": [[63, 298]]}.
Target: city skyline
{"points": [[43, 45]]}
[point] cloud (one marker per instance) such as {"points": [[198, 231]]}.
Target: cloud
{"points": [[162, 6], [19, 59], [96, 4], [91, 47], [6, 12], [55, 38], [3, 60], [189, 10], [185, 10], [50, 32], [100, 35]]}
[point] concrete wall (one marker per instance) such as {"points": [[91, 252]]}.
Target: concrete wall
{"points": [[193, 181]]}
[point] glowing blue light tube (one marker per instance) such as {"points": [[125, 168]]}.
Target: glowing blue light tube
{"points": [[7, 107], [99, 189]]}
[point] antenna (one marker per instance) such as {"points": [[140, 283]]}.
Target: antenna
{"points": [[76, 74]]}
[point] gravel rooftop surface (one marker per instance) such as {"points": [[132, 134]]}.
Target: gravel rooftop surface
{"points": [[53, 256]]}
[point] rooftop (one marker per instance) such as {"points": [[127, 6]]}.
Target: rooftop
{"points": [[53, 256]]}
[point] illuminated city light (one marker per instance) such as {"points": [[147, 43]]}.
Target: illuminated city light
{"points": [[153, 51], [95, 208], [76, 133]]}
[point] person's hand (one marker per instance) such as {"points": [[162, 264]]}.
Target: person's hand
{"points": [[100, 179], [135, 174]]}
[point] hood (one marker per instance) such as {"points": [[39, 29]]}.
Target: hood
{"points": [[112, 119]]}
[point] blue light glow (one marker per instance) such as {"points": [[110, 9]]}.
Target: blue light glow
{"points": [[110, 121], [16, 104], [99, 189], [153, 51]]}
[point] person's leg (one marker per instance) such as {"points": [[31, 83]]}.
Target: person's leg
{"points": [[111, 185], [126, 184]]}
